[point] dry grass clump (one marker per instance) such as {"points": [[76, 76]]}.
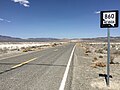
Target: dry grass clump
{"points": [[100, 56], [87, 50], [102, 50], [60, 43], [94, 59], [105, 48], [4, 50], [86, 54], [54, 44], [33, 48], [99, 51], [27, 49], [112, 59], [117, 52], [113, 46], [98, 64]]}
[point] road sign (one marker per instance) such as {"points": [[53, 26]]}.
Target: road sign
{"points": [[109, 19]]}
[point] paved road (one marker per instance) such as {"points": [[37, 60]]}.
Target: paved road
{"points": [[41, 70]]}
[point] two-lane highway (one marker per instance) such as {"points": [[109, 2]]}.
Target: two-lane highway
{"points": [[42, 70]]}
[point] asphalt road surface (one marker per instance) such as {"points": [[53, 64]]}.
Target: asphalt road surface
{"points": [[41, 70]]}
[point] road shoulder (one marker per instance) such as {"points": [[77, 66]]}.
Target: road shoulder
{"points": [[86, 77], [82, 73]]}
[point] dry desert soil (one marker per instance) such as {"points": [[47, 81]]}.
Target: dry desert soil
{"points": [[90, 61]]}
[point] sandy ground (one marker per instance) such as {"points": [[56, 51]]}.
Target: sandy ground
{"points": [[86, 73], [20, 45]]}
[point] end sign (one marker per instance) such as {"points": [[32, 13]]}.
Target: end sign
{"points": [[109, 19]]}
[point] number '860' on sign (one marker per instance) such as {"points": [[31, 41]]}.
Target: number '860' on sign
{"points": [[109, 19]]}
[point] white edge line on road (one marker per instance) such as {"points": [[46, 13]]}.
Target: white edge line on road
{"points": [[62, 85]]}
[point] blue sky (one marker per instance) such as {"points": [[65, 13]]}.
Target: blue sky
{"points": [[55, 18]]}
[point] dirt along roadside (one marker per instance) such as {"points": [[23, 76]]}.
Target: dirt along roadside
{"points": [[88, 64]]}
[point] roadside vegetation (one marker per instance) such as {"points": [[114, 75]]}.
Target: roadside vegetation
{"points": [[91, 61], [26, 46]]}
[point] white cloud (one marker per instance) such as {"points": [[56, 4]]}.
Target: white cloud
{"points": [[97, 12], [1, 19], [8, 21], [23, 2]]}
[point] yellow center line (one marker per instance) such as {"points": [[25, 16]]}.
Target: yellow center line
{"points": [[23, 63]]}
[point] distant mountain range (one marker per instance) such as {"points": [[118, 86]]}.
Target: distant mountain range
{"points": [[103, 39], [8, 38], [14, 39]]}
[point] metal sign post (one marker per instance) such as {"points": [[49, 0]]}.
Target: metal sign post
{"points": [[109, 19], [108, 57]]}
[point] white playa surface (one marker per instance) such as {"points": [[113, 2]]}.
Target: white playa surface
{"points": [[20, 45], [15, 48]]}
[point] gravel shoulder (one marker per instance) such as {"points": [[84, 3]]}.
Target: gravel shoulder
{"points": [[86, 77]]}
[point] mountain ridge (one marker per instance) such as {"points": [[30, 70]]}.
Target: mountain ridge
{"points": [[14, 39]]}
